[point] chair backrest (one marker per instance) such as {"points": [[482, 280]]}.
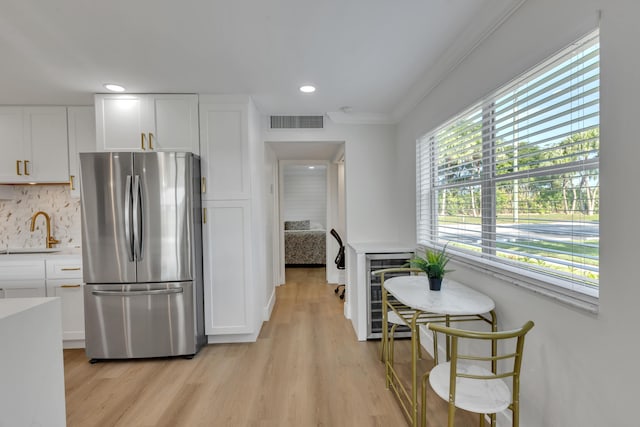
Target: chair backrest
{"points": [[340, 257], [507, 353]]}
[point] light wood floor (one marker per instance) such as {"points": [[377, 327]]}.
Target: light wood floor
{"points": [[306, 369]]}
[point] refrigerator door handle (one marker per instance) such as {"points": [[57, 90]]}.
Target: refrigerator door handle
{"points": [[137, 293], [137, 215], [127, 217]]}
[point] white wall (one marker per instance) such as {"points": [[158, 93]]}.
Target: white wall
{"points": [[579, 368], [272, 229]]}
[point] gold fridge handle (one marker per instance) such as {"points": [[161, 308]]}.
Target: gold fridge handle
{"points": [[204, 215], [26, 167], [18, 167], [142, 140], [71, 178], [150, 141]]}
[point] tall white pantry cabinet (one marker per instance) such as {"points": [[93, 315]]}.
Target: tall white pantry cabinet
{"points": [[229, 231]]}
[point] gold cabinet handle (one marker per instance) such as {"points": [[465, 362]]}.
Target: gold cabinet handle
{"points": [[203, 187], [26, 167], [71, 178], [70, 269], [204, 215], [142, 140], [69, 286], [18, 167], [150, 141]]}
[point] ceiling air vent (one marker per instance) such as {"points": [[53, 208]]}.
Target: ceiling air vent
{"points": [[297, 122]]}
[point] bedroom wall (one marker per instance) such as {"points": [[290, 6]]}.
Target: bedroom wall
{"points": [[305, 194], [578, 367]]}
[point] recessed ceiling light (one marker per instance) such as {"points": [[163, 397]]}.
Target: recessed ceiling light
{"points": [[307, 89], [312, 167], [113, 87]]}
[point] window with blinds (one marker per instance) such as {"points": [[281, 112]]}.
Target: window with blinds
{"points": [[513, 181]]}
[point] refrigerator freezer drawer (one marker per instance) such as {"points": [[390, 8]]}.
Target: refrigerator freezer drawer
{"points": [[140, 320]]}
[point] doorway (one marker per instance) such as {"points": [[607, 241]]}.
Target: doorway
{"points": [[293, 161]]}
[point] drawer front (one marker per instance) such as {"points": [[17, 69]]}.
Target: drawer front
{"points": [[64, 268], [22, 270]]}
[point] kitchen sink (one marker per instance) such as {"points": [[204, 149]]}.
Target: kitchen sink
{"points": [[28, 250]]}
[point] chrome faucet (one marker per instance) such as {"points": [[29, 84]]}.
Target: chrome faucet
{"points": [[50, 239]]}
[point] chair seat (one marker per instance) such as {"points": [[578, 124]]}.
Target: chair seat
{"points": [[479, 396]]}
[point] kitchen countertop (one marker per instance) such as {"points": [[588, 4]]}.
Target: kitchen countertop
{"points": [[19, 254]]}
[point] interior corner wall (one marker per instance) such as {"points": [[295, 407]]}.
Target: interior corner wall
{"points": [[579, 368]]}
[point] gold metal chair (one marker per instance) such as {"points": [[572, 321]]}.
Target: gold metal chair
{"points": [[391, 317], [468, 385]]}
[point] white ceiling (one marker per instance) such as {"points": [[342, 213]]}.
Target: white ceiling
{"points": [[378, 57]]}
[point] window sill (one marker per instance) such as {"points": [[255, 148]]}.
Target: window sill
{"points": [[533, 282]]}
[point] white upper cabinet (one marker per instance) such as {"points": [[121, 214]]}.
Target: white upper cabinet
{"points": [[225, 148], [82, 139], [33, 142], [147, 123]]}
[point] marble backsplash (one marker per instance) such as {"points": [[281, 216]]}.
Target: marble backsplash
{"points": [[22, 201]]}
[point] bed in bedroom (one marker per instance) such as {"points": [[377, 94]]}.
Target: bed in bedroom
{"points": [[304, 243]]}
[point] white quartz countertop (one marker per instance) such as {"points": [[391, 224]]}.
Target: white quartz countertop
{"points": [[381, 247], [38, 253], [12, 306]]}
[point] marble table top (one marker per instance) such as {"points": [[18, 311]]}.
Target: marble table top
{"points": [[454, 298]]}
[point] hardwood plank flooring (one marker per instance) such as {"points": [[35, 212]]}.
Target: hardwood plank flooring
{"points": [[306, 369]]}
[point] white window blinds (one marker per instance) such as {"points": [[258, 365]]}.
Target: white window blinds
{"points": [[514, 179]]}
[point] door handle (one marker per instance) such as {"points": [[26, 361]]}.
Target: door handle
{"points": [[69, 286], [18, 167], [137, 293], [142, 140], [26, 167], [70, 269], [203, 187], [127, 218], [138, 211], [150, 141], [204, 215], [71, 178]]}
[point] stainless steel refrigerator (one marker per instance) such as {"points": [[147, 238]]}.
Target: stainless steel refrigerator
{"points": [[142, 254]]}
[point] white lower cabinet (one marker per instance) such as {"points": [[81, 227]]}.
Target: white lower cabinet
{"points": [[64, 280], [26, 276], [20, 278], [227, 267], [72, 301]]}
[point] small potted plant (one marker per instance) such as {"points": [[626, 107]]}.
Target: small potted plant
{"points": [[434, 265]]}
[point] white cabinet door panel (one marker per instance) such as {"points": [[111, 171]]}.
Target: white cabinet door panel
{"points": [[82, 139], [120, 122], [175, 120], [11, 147], [49, 152], [70, 292], [227, 268], [225, 151]]}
